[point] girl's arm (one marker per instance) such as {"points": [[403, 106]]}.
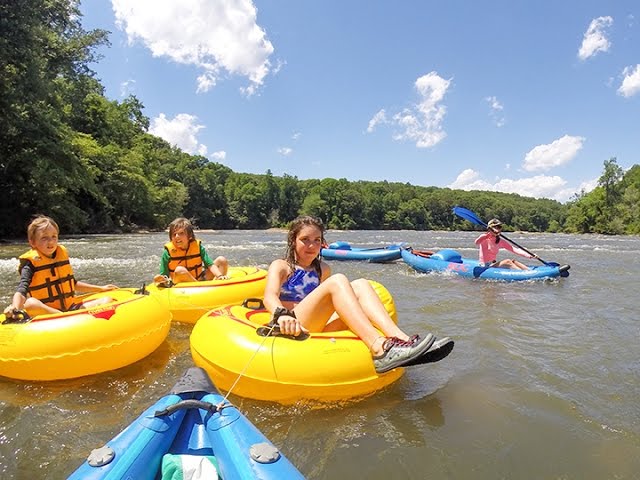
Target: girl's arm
{"points": [[276, 275], [518, 251], [482, 238], [326, 271]]}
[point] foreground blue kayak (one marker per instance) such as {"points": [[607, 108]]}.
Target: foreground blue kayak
{"points": [[344, 251], [451, 261], [189, 430]]}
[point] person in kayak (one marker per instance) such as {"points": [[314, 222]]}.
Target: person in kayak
{"points": [[304, 296], [490, 243]]}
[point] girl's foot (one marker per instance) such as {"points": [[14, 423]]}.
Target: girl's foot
{"points": [[398, 353]]}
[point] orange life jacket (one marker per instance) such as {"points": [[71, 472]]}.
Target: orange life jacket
{"points": [[190, 259], [53, 282]]}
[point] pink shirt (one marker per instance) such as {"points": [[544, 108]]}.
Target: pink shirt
{"points": [[489, 248]]}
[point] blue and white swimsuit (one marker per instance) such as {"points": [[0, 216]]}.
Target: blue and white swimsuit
{"points": [[299, 285]]}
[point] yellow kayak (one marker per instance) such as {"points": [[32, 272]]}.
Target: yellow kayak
{"points": [[125, 329], [325, 366], [188, 301]]}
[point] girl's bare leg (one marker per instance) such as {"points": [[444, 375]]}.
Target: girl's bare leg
{"points": [[374, 309], [514, 264], [337, 295], [520, 265]]}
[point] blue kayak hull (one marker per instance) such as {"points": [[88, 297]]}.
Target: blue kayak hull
{"points": [[450, 261], [188, 421], [344, 251]]}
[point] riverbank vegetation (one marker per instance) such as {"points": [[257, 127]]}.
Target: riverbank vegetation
{"points": [[69, 152]]}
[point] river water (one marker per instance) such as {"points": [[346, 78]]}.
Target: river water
{"points": [[543, 382]]}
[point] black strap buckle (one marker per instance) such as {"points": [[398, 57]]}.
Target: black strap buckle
{"points": [[16, 316]]}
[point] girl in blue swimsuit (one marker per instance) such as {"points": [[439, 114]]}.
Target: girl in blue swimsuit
{"points": [[304, 297]]}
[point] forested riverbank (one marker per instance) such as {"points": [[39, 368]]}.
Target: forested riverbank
{"points": [[68, 151]]}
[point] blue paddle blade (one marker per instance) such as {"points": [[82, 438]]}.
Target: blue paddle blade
{"points": [[468, 215]]}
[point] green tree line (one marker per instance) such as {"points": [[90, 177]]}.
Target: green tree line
{"points": [[68, 151]]}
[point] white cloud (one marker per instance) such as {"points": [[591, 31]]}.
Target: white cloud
{"points": [[296, 136], [182, 132], [588, 185], [285, 151], [496, 112], [558, 152], [220, 155], [422, 123], [538, 186], [595, 39], [378, 118], [631, 82], [469, 179], [216, 36], [127, 88]]}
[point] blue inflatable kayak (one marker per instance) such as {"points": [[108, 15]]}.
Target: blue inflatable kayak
{"points": [[344, 251], [451, 261], [189, 430]]}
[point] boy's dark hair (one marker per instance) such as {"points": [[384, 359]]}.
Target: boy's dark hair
{"points": [[184, 224]]}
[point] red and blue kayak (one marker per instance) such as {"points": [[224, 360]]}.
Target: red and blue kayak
{"points": [[450, 261]]}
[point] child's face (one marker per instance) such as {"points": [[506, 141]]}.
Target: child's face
{"points": [[308, 244], [180, 238], [46, 241]]}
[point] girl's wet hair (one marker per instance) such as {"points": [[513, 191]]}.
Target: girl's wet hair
{"points": [[40, 222], [182, 223], [294, 229]]}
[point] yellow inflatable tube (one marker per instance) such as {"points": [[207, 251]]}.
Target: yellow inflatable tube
{"points": [[123, 330], [324, 366], [190, 300]]}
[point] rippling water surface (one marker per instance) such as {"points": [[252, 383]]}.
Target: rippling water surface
{"points": [[543, 381]]}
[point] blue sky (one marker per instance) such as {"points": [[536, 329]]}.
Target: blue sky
{"points": [[516, 96]]}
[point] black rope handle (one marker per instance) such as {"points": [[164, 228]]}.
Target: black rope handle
{"points": [[188, 404]]}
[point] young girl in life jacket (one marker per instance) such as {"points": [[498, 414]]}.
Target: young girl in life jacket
{"points": [[47, 284], [184, 258], [304, 296]]}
